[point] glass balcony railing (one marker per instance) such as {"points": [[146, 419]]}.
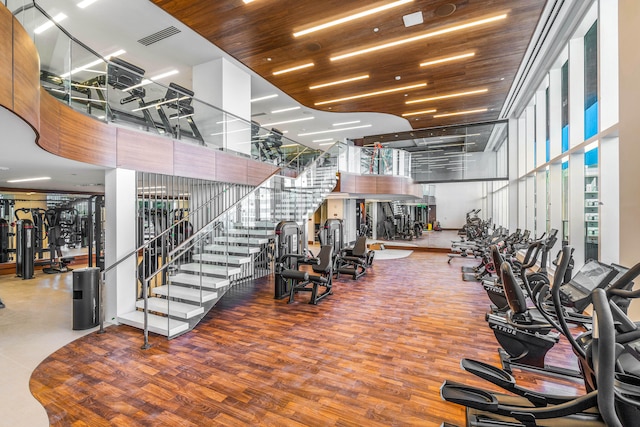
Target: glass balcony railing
{"points": [[114, 91]]}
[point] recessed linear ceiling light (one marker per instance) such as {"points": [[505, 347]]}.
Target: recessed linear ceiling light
{"points": [[339, 82], [420, 37], [44, 27], [351, 17], [458, 113], [365, 95], [263, 98], [334, 130], [42, 178], [145, 82], [325, 143], [451, 95], [85, 3], [288, 121], [322, 140], [346, 123], [285, 109], [447, 59], [296, 68], [417, 113], [247, 1], [93, 63]]}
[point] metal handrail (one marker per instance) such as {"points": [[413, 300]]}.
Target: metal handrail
{"points": [[182, 248]]}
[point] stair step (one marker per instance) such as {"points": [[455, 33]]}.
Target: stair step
{"points": [[189, 294], [207, 282], [269, 233], [253, 241], [157, 324], [232, 249], [258, 224], [221, 258], [171, 308], [213, 270]]}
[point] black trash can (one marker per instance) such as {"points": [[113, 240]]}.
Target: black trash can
{"points": [[86, 298]]}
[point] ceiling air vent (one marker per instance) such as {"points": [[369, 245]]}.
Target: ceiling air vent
{"points": [[160, 35]]}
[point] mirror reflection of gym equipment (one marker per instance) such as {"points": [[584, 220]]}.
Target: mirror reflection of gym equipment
{"points": [[49, 231]]}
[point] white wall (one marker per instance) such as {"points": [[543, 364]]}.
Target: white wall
{"points": [[454, 200]]}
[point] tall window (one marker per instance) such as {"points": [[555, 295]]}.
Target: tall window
{"points": [[591, 81], [564, 93], [547, 126]]}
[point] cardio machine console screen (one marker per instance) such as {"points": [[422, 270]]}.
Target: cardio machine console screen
{"points": [[577, 292]]}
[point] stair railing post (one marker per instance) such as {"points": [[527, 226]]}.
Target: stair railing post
{"points": [[101, 305], [145, 297]]}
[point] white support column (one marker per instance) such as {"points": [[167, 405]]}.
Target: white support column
{"points": [[608, 61], [228, 87], [541, 127], [629, 128], [576, 207], [530, 137], [513, 164], [120, 239], [609, 193], [541, 202]]}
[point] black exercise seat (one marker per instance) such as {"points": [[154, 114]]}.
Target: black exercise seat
{"points": [[355, 261], [324, 269]]}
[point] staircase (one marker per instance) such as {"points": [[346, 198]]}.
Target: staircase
{"points": [[234, 247]]}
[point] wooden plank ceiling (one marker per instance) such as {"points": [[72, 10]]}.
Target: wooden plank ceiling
{"points": [[260, 35]]}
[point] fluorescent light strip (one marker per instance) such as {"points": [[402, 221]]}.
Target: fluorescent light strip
{"points": [[322, 140], [450, 58], [417, 113], [334, 130], [288, 121], [365, 95], [42, 178], [91, 64], [145, 82], [44, 27], [157, 104], [296, 68], [262, 98], [420, 37], [451, 95], [85, 3], [351, 18], [285, 109], [248, 1], [458, 144], [325, 143], [339, 82], [458, 113], [346, 123]]}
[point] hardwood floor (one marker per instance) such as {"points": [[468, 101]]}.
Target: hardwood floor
{"points": [[373, 354]]}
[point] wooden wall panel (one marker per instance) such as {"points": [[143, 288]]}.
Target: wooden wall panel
{"points": [[50, 107], [230, 168], [366, 184], [85, 139], [390, 184], [144, 152], [346, 183], [26, 77], [258, 171], [6, 58], [192, 161]]}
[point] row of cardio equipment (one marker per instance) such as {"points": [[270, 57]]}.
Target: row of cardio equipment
{"points": [[332, 260], [607, 344]]}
